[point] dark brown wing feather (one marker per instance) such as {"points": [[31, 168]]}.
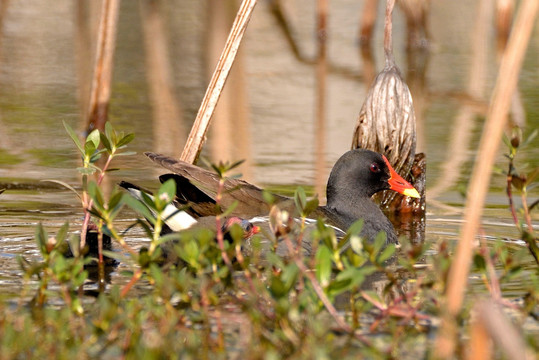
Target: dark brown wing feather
{"points": [[198, 188]]}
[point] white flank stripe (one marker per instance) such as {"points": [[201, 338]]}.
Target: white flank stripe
{"points": [[175, 219]]}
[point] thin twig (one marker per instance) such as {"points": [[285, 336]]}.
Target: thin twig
{"points": [[388, 34], [136, 277], [510, 194], [527, 215]]}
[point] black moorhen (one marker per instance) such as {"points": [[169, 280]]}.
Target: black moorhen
{"points": [[355, 177]]}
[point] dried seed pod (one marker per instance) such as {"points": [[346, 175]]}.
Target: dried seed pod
{"points": [[386, 123]]}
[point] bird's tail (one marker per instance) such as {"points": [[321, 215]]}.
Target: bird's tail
{"points": [[176, 219]]}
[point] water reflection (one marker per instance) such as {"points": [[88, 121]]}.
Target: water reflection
{"points": [[169, 132]]}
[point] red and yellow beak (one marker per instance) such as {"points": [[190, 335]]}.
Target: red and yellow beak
{"points": [[398, 184]]}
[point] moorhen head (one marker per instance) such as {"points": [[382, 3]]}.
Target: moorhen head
{"points": [[354, 179]]}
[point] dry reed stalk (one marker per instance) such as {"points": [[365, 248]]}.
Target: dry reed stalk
{"points": [[321, 100], [480, 344], [197, 135], [490, 139], [230, 134], [491, 323], [100, 93]]}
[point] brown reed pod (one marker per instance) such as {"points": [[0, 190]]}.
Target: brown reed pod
{"points": [[386, 122]]}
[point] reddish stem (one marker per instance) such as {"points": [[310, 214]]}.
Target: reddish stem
{"points": [[136, 277], [87, 209], [510, 195]]}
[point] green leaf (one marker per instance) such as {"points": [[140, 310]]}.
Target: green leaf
{"points": [[106, 142], [268, 197], [140, 208], [62, 233], [148, 200], [115, 203], [387, 253], [379, 242], [323, 266], [339, 286], [115, 255], [115, 199], [166, 193], [311, 206], [300, 199], [235, 165], [479, 262], [95, 193], [277, 287], [157, 274], [74, 137], [230, 209], [93, 138], [517, 182], [144, 258], [530, 137], [350, 278], [168, 237], [236, 233], [86, 171], [95, 156], [41, 239], [89, 149], [147, 229], [74, 244], [125, 140], [507, 142], [355, 228], [66, 185], [109, 132], [190, 251], [530, 177], [356, 244], [290, 275], [126, 153]]}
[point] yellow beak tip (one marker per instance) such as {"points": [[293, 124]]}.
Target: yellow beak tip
{"points": [[411, 193]]}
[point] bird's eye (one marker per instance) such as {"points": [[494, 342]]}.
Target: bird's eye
{"points": [[375, 168], [247, 226]]}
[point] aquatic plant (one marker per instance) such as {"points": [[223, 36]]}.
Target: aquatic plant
{"points": [[346, 301]]}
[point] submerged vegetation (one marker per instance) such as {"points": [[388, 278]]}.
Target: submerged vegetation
{"points": [[223, 302]]}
